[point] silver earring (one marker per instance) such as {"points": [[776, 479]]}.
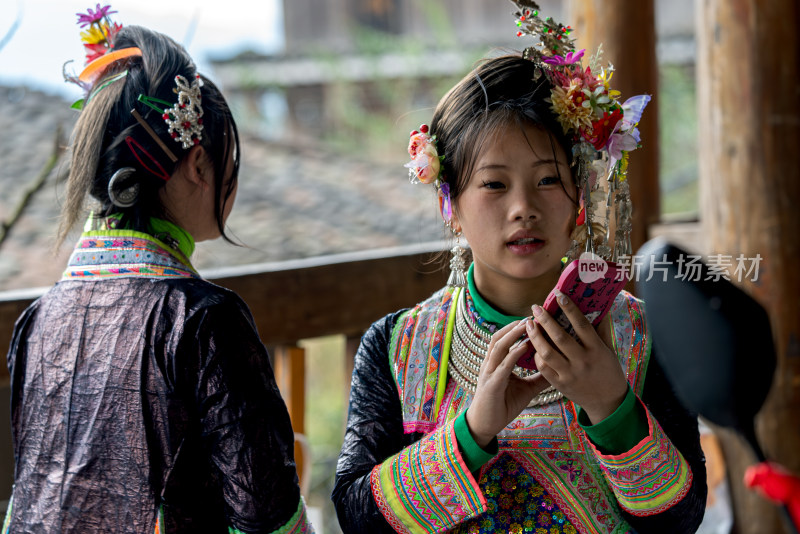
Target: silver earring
{"points": [[120, 195], [458, 275]]}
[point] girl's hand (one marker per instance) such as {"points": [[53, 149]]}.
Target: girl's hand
{"points": [[501, 395], [586, 371]]}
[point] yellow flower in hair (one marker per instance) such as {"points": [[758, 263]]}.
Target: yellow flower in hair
{"points": [[95, 34], [605, 79]]}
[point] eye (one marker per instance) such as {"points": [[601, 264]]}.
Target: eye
{"points": [[493, 185], [549, 180]]}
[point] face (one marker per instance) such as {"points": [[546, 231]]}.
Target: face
{"points": [[514, 210]]}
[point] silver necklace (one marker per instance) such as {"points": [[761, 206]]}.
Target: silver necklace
{"points": [[468, 349]]}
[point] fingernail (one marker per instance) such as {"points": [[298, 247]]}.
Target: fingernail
{"points": [[562, 298], [523, 321], [537, 310]]}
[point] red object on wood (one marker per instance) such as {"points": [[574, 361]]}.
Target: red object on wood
{"points": [[777, 484]]}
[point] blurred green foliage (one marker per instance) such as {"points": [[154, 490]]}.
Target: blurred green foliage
{"points": [[678, 137]]}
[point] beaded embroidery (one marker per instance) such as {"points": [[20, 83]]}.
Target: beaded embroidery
{"points": [[124, 254]]}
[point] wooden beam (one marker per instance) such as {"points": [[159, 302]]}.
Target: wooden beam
{"points": [[626, 30], [749, 134], [301, 299]]}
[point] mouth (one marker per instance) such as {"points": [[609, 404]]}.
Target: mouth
{"points": [[523, 246], [525, 241]]}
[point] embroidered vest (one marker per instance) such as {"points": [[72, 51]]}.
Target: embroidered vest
{"points": [[545, 465]]}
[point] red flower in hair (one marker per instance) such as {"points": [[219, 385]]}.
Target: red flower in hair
{"points": [[603, 128]]}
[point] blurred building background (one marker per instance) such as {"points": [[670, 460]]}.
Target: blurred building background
{"points": [[324, 127]]}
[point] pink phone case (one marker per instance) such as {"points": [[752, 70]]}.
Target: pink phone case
{"points": [[594, 299]]}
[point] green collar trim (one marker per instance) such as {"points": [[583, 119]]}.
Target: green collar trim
{"points": [[185, 241], [483, 308], [169, 235]]}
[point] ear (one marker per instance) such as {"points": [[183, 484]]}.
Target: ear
{"points": [[197, 168]]}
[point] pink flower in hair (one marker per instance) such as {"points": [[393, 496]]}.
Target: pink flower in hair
{"points": [[570, 59], [92, 16], [425, 162]]}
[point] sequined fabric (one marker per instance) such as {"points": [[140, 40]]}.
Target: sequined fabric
{"points": [[516, 503]]}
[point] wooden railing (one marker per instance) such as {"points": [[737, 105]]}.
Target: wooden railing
{"points": [[290, 301], [303, 299]]}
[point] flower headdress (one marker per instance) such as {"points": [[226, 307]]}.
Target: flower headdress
{"points": [[98, 38], [602, 129], [184, 117]]}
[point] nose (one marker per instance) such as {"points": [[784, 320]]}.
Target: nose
{"points": [[525, 206]]}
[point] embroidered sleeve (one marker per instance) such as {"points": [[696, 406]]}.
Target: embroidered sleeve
{"points": [[426, 487], [650, 478], [297, 524]]}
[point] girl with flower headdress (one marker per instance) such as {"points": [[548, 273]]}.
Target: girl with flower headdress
{"points": [[142, 397], [445, 433]]}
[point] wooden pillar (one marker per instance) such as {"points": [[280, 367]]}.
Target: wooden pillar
{"points": [[626, 29], [290, 374], [351, 345], [748, 100]]}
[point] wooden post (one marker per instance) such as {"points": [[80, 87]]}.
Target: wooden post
{"points": [[626, 30], [749, 139], [350, 348], [290, 374]]}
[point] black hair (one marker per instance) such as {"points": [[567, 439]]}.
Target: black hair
{"points": [[499, 91], [99, 139]]}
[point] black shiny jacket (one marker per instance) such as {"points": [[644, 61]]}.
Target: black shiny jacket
{"points": [[375, 432], [130, 395]]}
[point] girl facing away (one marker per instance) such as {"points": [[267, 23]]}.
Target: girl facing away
{"points": [[142, 397], [445, 433]]}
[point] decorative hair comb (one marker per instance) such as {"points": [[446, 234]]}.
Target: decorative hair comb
{"points": [[184, 118]]}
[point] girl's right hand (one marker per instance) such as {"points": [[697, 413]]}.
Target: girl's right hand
{"points": [[501, 395]]}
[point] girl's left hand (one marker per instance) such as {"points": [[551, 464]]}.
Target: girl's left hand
{"points": [[587, 372]]}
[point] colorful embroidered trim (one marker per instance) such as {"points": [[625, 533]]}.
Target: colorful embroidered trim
{"points": [[419, 343], [426, 487], [577, 485], [297, 524], [631, 341], [553, 426], [124, 254], [651, 477]]}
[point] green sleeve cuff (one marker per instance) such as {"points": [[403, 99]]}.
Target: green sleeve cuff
{"points": [[620, 431], [474, 455]]}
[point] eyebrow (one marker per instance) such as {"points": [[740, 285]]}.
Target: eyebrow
{"points": [[493, 166]]}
